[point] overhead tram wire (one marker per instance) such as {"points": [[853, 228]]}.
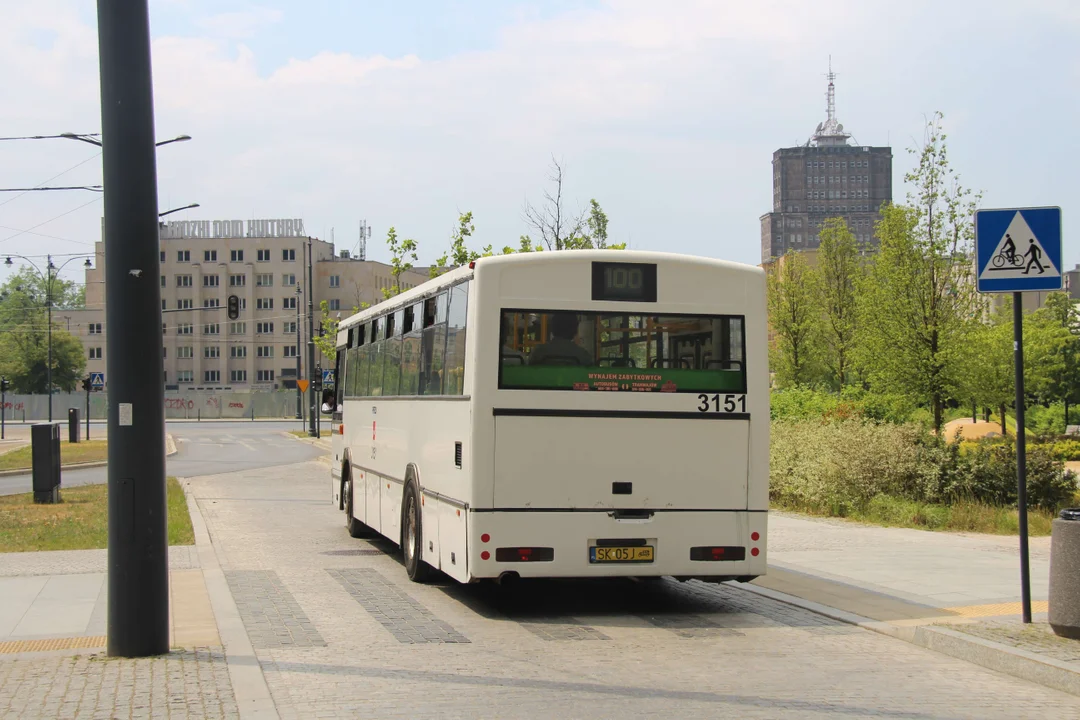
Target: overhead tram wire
{"points": [[46, 222], [50, 137], [91, 188], [65, 172]]}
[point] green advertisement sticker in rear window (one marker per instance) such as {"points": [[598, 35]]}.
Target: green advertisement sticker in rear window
{"points": [[619, 352]]}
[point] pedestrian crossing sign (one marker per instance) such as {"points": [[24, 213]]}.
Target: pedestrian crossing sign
{"points": [[97, 380], [1018, 249]]}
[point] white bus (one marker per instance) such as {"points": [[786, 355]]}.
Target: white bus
{"points": [[561, 414]]}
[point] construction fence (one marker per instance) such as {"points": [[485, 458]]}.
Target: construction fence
{"points": [[179, 405]]}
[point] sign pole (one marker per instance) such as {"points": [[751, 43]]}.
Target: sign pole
{"points": [[88, 412], [1021, 454]]}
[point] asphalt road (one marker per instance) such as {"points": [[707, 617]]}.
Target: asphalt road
{"points": [[206, 448]]}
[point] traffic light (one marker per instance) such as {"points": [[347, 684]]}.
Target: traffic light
{"points": [[4, 384], [234, 307], [86, 383]]}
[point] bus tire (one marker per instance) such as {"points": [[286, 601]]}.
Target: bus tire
{"points": [[412, 536], [356, 528]]}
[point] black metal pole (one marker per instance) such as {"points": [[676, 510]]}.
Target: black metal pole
{"points": [[138, 607], [3, 412], [311, 344], [88, 414], [299, 394], [1021, 454], [48, 304]]}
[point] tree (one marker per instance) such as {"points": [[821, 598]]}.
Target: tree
{"points": [[558, 228], [989, 379], [793, 317], [24, 333], [1062, 311], [839, 269], [402, 257], [918, 301], [459, 254]]}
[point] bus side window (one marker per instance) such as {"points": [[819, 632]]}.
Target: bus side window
{"points": [[433, 347], [410, 350], [455, 340]]}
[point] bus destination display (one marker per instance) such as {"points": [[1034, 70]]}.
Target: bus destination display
{"points": [[624, 282]]}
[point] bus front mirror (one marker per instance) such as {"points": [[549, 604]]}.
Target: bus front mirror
{"points": [[328, 401]]}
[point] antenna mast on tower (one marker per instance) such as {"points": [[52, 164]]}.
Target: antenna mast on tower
{"points": [[361, 246]]}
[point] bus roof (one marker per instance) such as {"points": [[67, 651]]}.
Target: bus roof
{"points": [[539, 258]]}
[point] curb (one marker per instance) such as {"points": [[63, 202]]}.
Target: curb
{"points": [[321, 442], [253, 699], [985, 653], [170, 449]]}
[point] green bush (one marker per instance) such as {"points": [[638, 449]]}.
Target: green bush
{"points": [[1064, 449], [844, 465], [802, 403], [852, 402], [1045, 421]]}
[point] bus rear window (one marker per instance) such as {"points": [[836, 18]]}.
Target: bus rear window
{"points": [[591, 351]]}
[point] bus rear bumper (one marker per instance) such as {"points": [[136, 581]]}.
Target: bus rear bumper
{"points": [[706, 545]]}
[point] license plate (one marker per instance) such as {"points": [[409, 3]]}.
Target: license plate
{"points": [[633, 554]]}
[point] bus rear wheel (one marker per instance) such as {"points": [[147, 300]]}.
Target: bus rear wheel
{"points": [[356, 528], [412, 537]]}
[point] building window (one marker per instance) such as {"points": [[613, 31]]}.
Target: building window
{"points": [[209, 280], [238, 328], [209, 256], [238, 351], [183, 256], [262, 255], [264, 351], [238, 376], [95, 353], [264, 375], [211, 352], [184, 329], [290, 351], [335, 281], [184, 352], [289, 328], [236, 255], [264, 303], [162, 256], [211, 329], [95, 328], [162, 281], [211, 302], [212, 376], [264, 328], [289, 303], [183, 281], [185, 376], [288, 280], [237, 280], [334, 304], [183, 304], [264, 280], [288, 255]]}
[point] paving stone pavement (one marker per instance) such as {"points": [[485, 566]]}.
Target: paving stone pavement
{"points": [[611, 649], [1036, 637], [65, 562], [183, 684]]}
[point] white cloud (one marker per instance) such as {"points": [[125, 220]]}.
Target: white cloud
{"points": [[242, 24]]}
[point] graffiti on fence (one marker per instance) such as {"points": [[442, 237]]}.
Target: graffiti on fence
{"points": [[237, 405], [212, 402], [16, 406], [179, 404]]}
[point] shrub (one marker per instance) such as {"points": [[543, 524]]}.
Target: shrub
{"points": [[1064, 449], [802, 403], [991, 475], [1045, 421]]}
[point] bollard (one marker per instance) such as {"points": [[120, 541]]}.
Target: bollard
{"points": [[73, 425], [1064, 610], [45, 460]]}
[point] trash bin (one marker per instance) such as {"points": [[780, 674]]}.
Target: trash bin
{"points": [[45, 457], [1065, 574], [73, 425]]}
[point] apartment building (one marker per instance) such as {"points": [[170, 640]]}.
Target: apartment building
{"points": [[264, 263]]}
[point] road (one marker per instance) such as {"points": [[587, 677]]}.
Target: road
{"points": [[339, 631], [205, 448]]}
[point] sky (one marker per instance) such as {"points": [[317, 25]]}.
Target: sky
{"points": [[405, 113]]}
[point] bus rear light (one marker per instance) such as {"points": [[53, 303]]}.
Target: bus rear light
{"points": [[525, 554], [485, 538], [754, 552], [341, 429], [485, 555], [755, 536], [717, 553]]}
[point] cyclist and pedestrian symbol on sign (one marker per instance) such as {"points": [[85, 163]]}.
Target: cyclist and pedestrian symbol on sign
{"points": [[1008, 256], [1013, 250]]}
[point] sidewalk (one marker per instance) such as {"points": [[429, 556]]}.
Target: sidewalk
{"points": [[954, 593]]}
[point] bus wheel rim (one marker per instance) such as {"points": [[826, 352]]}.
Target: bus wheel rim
{"points": [[410, 539]]}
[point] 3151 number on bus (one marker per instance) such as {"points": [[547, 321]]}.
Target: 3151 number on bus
{"points": [[721, 403]]}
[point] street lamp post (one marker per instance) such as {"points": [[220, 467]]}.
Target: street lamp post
{"points": [[314, 409], [299, 395], [94, 141], [50, 274]]}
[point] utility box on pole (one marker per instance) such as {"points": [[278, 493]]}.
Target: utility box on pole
{"points": [[45, 457]]}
